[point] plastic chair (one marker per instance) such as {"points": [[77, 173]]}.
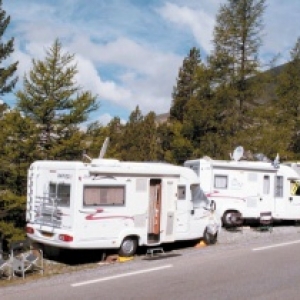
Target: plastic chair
{"points": [[5, 268], [26, 258]]}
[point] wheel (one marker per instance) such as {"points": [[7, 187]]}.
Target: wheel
{"points": [[210, 239], [227, 219], [232, 219], [128, 247]]}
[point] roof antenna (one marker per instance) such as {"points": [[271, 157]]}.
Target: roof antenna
{"points": [[276, 161], [104, 147]]}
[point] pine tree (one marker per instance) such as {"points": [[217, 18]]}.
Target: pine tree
{"points": [[287, 103], [185, 87], [7, 79], [56, 104], [12, 174], [237, 39], [200, 115], [17, 151], [149, 140], [129, 146]]}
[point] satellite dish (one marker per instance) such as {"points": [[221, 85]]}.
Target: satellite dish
{"points": [[238, 153]]}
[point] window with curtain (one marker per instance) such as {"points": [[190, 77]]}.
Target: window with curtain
{"points": [[103, 195]]}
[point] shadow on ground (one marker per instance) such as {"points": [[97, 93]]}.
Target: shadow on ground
{"points": [[79, 257]]}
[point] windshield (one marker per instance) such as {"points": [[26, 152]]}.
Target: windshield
{"points": [[295, 187], [199, 199]]}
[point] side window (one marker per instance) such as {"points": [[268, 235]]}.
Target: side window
{"points": [[279, 186], [220, 182], [295, 188], [60, 193], [266, 187], [181, 192], [103, 195]]}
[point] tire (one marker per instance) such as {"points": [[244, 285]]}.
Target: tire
{"points": [[226, 219], [232, 219], [208, 238], [128, 247]]}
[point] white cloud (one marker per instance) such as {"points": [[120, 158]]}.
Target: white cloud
{"points": [[198, 21], [146, 79], [89, 78], [106, 118]]}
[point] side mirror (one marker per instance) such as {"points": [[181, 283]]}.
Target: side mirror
{"points": [[212, 205]]}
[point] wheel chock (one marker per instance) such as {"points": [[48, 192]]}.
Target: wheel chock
{"points": [[124, 259], [201, 244]]}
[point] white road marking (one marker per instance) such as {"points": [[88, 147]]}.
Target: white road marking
{"points": [[276, 245], [120, 276]]}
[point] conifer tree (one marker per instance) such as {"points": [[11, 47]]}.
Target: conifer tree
{"points": [[149, 141], [7, 79], [17, 150], [56, 104], [235, 61], [201, 114], [137, 140], [287, 103], [11, 159], [96, 134], [185, 87]]}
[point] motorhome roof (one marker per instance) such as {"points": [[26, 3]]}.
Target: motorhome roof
{"points": [[231, 164], [110, 166], [153, 168]]}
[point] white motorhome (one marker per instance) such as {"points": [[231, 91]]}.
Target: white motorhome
{"points": [[249, 188], [109, 204]]}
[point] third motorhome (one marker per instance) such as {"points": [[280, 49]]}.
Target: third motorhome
{"points": [[109, 204], [249, 188]]}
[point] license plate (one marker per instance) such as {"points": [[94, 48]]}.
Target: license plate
{"points": [[47, 234]]}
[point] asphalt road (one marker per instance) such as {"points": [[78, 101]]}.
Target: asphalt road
{"points": [[261, 270]]}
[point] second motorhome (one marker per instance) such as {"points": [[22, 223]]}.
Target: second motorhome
{"points": [[109, 204], [249, 188]]}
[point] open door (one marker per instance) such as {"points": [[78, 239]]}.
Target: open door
{"points": [[154, 211]]}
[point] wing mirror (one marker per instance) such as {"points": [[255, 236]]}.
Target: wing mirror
{"points": [[212, 205]]}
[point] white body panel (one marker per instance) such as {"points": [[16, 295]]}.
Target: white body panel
{"points": [[249, 187], [97, 205]]}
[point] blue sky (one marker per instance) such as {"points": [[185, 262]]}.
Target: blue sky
{"points": [[129, 52]]}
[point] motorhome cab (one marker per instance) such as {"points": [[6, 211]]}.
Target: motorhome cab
{"points": [[249, 188], [109, 204]]}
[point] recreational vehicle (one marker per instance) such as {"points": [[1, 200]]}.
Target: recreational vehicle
{"points": [[109, 204], [243, 190]]}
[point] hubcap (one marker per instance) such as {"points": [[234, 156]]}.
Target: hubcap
{"points": [[128, 246]]}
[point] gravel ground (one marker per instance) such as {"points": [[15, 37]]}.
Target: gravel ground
{"points": [[252, 234], [228, 239]]}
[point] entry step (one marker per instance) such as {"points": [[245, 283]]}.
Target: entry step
{"points": [[154, 251]]}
